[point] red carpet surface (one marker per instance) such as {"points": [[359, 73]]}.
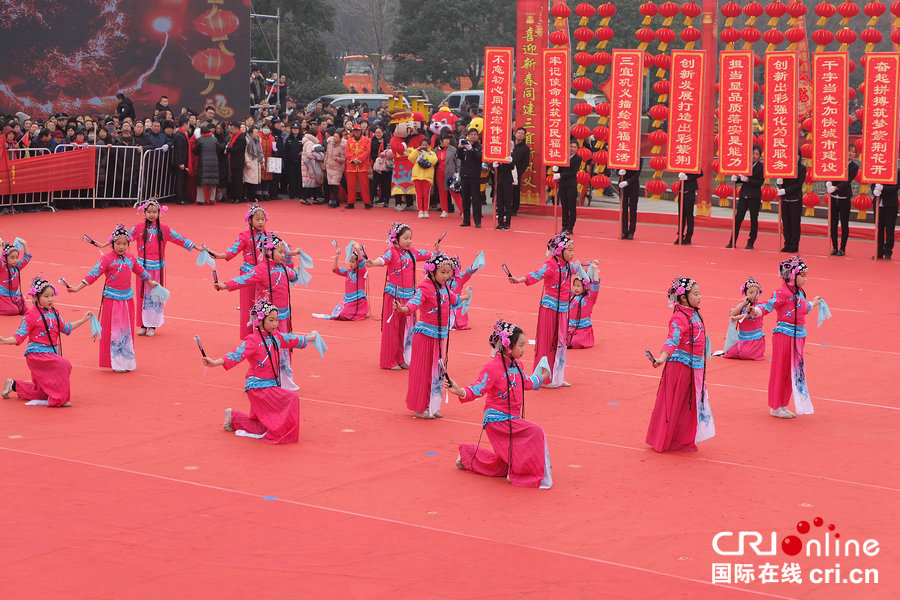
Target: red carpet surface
{"points": [[137, 492]]}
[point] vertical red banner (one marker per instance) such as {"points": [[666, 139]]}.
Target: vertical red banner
{"points": [[780, 102], [735, 112], [531, 35], [557, 79], [829, 115], [685, 110], [880, 124], [626, 93], [498, 65]]}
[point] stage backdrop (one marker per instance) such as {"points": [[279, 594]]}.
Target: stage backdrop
{"points": [[74, 56]]}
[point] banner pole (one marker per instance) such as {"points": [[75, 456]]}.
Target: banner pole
{"points": [[734, 200]]}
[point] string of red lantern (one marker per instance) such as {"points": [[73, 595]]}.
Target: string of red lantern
{"points": [[214, 62]]}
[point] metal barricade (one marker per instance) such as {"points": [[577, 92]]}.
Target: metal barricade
{"points": [[11, 202], [118, 175], [76, 198], [157, 177]]}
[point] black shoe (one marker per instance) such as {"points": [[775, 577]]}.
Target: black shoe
{"points": [[676, 243], [834, 252], [729, 245], [464, 224], [368, 207], [841, 253], [499, 227], [630, 236], [888, 256], [686, 243], [785, 249], [749, 246], [350, 206], [305, 202], [477, 225], [332, 205], [569, 232]]}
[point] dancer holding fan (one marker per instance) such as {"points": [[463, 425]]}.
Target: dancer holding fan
{"points": [[460, 318], [585, 289], [746, 340], [14, 260], [355, 305], [42, 327], [519, 447], [681, 416]]}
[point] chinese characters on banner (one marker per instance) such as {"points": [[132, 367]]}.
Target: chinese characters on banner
{"points": [[497, 103], [625, 110], [557, 79], [880, 135], [685, 110], [531, 34], [736, 112], [830, 97], [781, 97]]}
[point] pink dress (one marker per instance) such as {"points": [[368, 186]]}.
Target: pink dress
{"points": [[787, 377], [553, 316], [354, 306], [400, 283], [274, 411], [429, 350], [11, 300], [457, 285], [519, 446], [581, 330], [673, 424], [276, 280], [152, 256], [117, 309], [247, 245], [751, 341], [50, 372]]}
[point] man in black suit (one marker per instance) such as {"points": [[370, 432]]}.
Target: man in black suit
{"points": [[750, 198], [790, 193], [688, 200], [181, 158], [841, 194], [631, 187], [521, 157], [886, 197], [235, 151], [567, 190]]}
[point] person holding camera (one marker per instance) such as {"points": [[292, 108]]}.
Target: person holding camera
{"points": [[470, 174], [423, 160]]}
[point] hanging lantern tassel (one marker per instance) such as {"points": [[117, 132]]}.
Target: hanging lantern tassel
{"points": [[811, 201], [862, 203]]}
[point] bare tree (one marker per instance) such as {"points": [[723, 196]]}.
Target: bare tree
{"points": [[367, 27]]}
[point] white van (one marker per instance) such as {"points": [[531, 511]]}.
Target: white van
{"points": [[455, 100], [337, 100]]}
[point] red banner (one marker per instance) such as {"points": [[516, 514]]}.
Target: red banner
{"points": [[685, 110], [830, 97], [557, 79], [625, 111], [736, 112], [780, 101], [880, 135], [498, 65], [73, 170], [531, 32]]}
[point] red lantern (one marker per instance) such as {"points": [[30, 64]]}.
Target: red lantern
{"points": [[851, 93], [823, 37], [895, 9], [862, 203], [668, 9], [583, 59], [845, 36], [559, 38], [807, 124], [731, 10], [606, 10], [825, 10], [690, 34], [862, 88], [795, 35], [750, 34], [859, 144], [662, 61], [730, 35], [561, 11], [655, 187], [648, 59], [761, 113], [604, 34], [601, 133], [584, 153], [692, 10], [580, 132], [715, 165], [645, 35], [661, 86], [862, 60], [811, 200], [676, 186], [658, 163], [754, 9], [658, 137], [582, 84], [723, 190], [895, 34], [871, 36], [600, 182], [602, 58], [600, 157], [583, 177], [852, 65], [796, 9], [659, 112], [582, 109], [848, 9], [775, 10], [217, 24], [806, 150], [602, 109], [773, 37], [665, 35], [648, 9], [585, 10], [768, 193], [213, 63], [874, 9], [584, 34]]}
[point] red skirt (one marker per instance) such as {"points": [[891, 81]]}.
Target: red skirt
{"points": [[248, 297], [673, 424], [396, 336], [519, 450], [426, 384], [748, 350], [274, 415], [784, 366], [550, 340], [50, 374]]}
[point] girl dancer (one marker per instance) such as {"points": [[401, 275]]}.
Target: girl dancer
{"points": [[249, 245], [553, 314], [152, 237], [274, 411], [519, 446], [751, 341], [460, 318], [584, 296], [788, 374], [681, 415], [117, 306], [42, 327], [276, 278], [355, 305], [11, 301], [400, 284], [434, 301]]}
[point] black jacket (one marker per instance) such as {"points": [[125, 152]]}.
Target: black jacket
{"points": [[293, 149], [889, 193], [505, 173], [752, 188], [236, 152], [521, 156], [379, 147], [690, 184], [793, 188], [568, 176], [208, 149], [125, 108], [844, 188], [470, 161], [181, 150], [633, 177]]}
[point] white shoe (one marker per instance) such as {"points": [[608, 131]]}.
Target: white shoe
{"points": [[425, 213], [151, 331], [142, 331], [781, 413], [444, 214], [399, 208], [421, 215], [789, 413], [566, 384], [227, 426]]}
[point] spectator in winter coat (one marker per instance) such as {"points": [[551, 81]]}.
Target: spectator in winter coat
{"points": [[125, 107], [335, 163], [208, 149], [292, 156]]}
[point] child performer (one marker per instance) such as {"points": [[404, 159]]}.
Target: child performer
{"points": [[400, 284], [681, 415], [249, 245], [584, 296], [11, 301], [553, 314], [423, 161], [152, 237], [519, 446], [434, 300], [117, 306], [276, 278], [274, 411], [788, 374], [751, 341], [42, 327], [355, 305], [460, 318]]}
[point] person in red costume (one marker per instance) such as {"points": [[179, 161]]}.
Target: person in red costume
{"points": [[405, 134]]}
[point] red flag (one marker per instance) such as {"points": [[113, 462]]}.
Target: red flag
{"points": [[73, 170], [4, 173]]}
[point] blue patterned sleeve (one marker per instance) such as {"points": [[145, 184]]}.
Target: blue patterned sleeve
{"points": [[174, 237], [22, 332], [770, 305], [66, 327], [476, 390], [535, 382], [674, 339], [292, 340], [234, 249], [94, 274], [236, 356], [415, 303], [536, 276]]}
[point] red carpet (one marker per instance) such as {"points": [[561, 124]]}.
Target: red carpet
{"points": [[136, 492]]}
